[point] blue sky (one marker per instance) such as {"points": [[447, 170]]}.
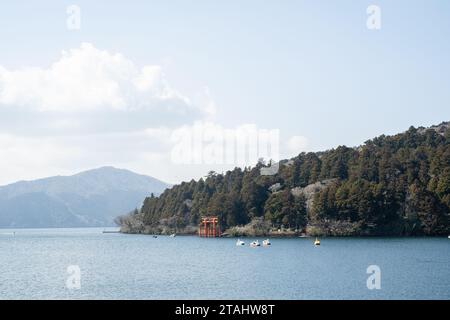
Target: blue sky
{"points": [[311, 69]]}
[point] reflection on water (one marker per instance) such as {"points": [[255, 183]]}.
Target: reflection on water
{"points": [[34, 264]]}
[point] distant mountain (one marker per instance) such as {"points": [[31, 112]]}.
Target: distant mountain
{"points": [[89, 198]]}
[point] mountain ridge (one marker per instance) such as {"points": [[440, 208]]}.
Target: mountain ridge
{"points": [[89, 198]]}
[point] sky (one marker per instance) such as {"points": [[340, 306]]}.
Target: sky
{"points": [[155, 86]]}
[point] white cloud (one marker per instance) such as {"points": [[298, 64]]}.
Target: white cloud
{"points": [[204, 99], [25, 158], [93, 108], [86, 79], [88, 109], [148, 151], [296, 145], [88, 91]]}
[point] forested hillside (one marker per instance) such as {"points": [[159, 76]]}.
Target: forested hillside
{"points": [[390, 185]]}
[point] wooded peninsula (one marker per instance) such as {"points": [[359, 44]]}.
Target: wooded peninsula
{"points": [[390, 185]]}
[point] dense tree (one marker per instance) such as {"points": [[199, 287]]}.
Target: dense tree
{"points": [[283, 209], [389, 185]]}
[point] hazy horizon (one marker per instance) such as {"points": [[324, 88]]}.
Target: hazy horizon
{"points": [[109, 84], [136, 172]]}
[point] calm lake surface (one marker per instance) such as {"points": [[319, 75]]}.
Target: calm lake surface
{"points": [[33, 265]]}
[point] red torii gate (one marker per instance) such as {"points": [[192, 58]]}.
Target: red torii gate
{"points": [[209, 227]]}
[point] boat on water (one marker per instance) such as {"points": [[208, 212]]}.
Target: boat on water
{"points": [[449, 237], [239, 242], [267, 243], [317, 242], [155, 236], [173, 235], [255, 244]]}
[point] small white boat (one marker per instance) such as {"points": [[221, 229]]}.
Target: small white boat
{"points": [[255, 244], [240, 242], [266, 243], [449, 237], [317, 242], [173, 235]]}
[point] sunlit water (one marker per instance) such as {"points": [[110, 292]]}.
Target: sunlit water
{"points": [[33, 265]]}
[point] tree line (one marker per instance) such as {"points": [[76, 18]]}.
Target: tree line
{"points": [[390, 185]]}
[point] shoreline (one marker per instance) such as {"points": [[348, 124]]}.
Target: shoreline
{"points": [[289, 236]]}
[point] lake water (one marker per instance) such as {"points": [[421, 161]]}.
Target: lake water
{"points": [[33, 265]]}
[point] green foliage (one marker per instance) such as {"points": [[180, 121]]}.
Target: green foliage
{"points": [[390, 185], [283, 209]]}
